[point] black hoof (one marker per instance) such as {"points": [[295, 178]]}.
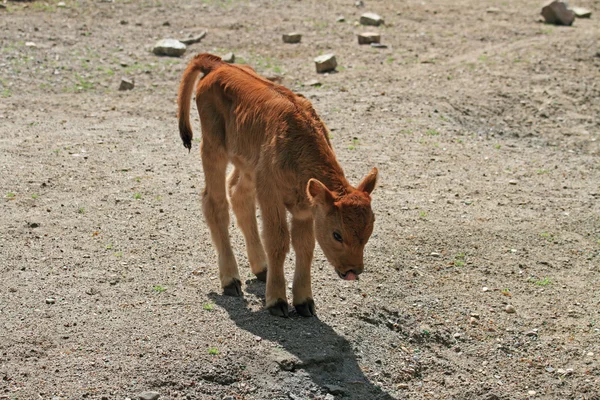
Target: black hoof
{"points": [[233, 289], [306, 309], [262, 276], [280, 309]]}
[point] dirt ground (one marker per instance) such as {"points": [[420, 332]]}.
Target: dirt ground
{"points": [[484, 124]]}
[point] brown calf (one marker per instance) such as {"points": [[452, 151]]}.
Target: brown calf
{"points": [[282, 156]]}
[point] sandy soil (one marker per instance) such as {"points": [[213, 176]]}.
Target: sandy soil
{"points": [[485, 129]]}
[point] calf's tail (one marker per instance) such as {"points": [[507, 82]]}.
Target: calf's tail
{"points": [[204, 63]]}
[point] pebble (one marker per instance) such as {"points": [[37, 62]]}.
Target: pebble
{"points": [[475, 315], [510, 309], [50, 300], [30, 44], [169, 47], [194, 39], [473, 321], [334, 389], [379, 45], [325, 63], [486, 289], [531, 333], [229, 58], [61, 4], [312, 82], [549, 369], [149, 396], [581, 12], [434, 254], [531, 393], [512, 182], [126, 84], [293, 37], [341, 18], [557, 12], [359, 3], [371, 19], [369, 37], [493, 10]]}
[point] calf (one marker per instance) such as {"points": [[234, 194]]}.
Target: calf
{"points": [[282, 157]]}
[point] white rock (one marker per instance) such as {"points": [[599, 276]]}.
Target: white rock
{"points": [[61, 4], [169, 47], [371, 19], [229, 58], [325, 63], [581, 12], [510, 309], [557, 12], [293, 37], [369, 37]]}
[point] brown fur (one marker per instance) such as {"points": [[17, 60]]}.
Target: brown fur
{"points": [[282, 156]]}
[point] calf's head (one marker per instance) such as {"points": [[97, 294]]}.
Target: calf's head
{"points": [[343, 223]]}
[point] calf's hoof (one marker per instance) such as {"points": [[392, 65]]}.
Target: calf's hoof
{"points": [[306, 309], [279, 309], [262, 276], [233, 289]]}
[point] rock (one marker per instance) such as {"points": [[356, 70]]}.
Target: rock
{"points": [[229, 58], [334, 389], [379, 45], [368, 38], [473, 321], [531, 334], [512, 182], [531, 393], [371, 19], [485, 289], [359, 4], [493, 10], [126, 84], [475, 315], [194, 39], [340, 19], [436, 255], [402, 386], [312, 82], [329, 396], [30, 44], [549, 369], [34, 225], [325, 63], [50, 300], [581, 12], [61, 4], [293, 37], [149, 396], [169, 47], [510, 309], [556, 12]]}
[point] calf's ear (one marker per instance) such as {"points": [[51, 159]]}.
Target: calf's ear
{"points": [[318, 193], [368, 183]]}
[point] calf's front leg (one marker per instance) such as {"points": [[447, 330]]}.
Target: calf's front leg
{"points": [[303, 241], [276, 238]]}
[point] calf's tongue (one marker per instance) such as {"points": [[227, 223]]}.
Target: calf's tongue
{"points": [[350, 276]]}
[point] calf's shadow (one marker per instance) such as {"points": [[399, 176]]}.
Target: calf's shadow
{"points": [[326, 356]]}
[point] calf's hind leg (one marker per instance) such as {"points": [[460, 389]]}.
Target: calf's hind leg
{"points": [[216, 212], [243, 201]]}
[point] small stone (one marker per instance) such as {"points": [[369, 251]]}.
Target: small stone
{"points": [[402, 386], [228, 398], [512, 182], [581, 12], [30, 44], [379, 45], [258, 338], [123, 22], [531, 392], [341, 18], [485, 289], [334, 389], [473, 321], [371, 19], [312, 82], [12, 290], [457, 335], [557, 12], [149, 396], [510, 309], [229, 58], [169, 47], [329, 396], [325, 63], [493, 10], [590, 354], [166, 23], [475, 315], [531, 334], [50, 300], [369, 37], [126, 84], [34, 225], [61, 4], [359, 4], [194, 39], [293, 37], [549, 369], [436, 255]]}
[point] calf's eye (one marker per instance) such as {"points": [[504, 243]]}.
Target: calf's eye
{"points": [[337, 237]]}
